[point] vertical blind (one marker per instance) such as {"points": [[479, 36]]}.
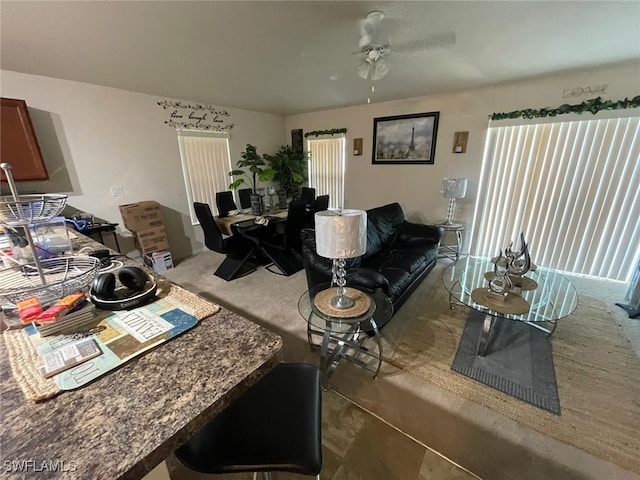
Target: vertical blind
{"points": [[206, 165], [572, 187], [326, 168]]}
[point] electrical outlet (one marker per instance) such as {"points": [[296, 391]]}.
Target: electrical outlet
{"points": [[117, 191]]}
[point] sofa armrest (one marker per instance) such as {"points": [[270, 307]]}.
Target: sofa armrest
{"points": [[419, 233]]}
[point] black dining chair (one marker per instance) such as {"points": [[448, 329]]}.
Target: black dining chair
{"points": [[308, 194], [275, 426], [283, 248], [320, 204], [245, 197], [238, 250], [225, 203]]}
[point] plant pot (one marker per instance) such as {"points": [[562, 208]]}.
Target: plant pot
{"points": [[282, 198], [256, 204]]}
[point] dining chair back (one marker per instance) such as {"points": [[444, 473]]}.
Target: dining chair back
{"points": [[245, 197], [225, 203], [238, 250], [308, 194], [321, 203], [213, 239], [295, 222]]}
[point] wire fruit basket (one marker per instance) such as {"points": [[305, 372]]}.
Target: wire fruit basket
{"points": [[62, 276], [45, 279], [30, 209]]}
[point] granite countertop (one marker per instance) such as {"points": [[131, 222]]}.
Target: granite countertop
{"points": [[125, 423]]}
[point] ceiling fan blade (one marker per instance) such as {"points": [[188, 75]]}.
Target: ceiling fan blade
{"points": [[433, 41], [371, 33], [371, 23]]}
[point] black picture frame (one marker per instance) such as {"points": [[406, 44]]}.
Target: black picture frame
{"points": [[297, 140], [405, 139]]}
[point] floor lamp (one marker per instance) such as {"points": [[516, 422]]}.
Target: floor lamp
{"points": [[341, 235], [453, 188]]}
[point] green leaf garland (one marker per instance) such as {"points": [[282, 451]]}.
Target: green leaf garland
{"points": [[594, 106], [317, 133]]}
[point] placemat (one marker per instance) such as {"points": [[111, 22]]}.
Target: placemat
{"points": [[511, 304], [361, 303], [180, 307]]}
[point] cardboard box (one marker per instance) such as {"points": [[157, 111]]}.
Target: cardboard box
{"points": [[160, 262], [151, 240], [141, 216]]}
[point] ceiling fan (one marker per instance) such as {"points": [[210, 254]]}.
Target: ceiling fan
{"points": [[375, 46]]}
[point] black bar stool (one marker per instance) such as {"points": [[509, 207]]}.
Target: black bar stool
{"points": [[273, 427]]}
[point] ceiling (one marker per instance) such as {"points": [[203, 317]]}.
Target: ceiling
{"points": [[292, 57]]}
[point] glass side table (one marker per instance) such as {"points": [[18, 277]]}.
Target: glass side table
{"points": [[451, 251], [345, 338]]}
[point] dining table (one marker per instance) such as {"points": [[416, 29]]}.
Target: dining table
{"points": [[244, 218]]}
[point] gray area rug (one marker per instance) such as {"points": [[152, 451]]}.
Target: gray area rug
{"points": [[519, 362]]}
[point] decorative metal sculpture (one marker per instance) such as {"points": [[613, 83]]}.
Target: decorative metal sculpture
{"points": [[501, 283], [518, 263]]}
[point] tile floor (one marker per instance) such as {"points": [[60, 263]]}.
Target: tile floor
{"points": [[350, 454], [357, 445]]}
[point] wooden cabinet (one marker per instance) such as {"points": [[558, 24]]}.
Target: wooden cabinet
{"points": [[18, 143]]}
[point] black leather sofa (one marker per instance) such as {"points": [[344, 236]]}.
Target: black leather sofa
{"points": [[399, 255]]}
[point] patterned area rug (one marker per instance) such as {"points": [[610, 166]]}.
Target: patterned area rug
{"points": [[519, 361], [598, 376]]}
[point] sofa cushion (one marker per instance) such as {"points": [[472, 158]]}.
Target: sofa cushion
{"points": [[383, 227], [398, 278]]}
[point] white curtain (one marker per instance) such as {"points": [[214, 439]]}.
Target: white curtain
{"points": [[206, 165], [573, 187], [326, 168]]}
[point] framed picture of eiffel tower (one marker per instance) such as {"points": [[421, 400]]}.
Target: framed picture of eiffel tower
{"points": [[404, 139]]}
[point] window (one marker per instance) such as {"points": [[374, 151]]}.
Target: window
{"points": [[572, 187], [326, 168], [206, 164]]}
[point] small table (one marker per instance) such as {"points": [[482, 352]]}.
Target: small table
{"points": [[451, 251], [227, 224], [99, 229], [553, 299], [344, 338]]}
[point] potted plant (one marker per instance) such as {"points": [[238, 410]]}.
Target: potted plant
{"points": [[288, 167], [251, 166]]}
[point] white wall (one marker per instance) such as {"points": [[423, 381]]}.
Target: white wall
{"points": [[417, 187], [94, 137]]}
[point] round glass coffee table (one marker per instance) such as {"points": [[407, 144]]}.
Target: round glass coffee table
{"points": [[554, 298], [344, 338]]}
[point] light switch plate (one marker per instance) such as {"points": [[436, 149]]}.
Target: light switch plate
{"points": [[460, 142], [117, 191]]}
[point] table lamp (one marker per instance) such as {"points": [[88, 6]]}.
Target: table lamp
{"points": [[341, 235], [453, 188]]}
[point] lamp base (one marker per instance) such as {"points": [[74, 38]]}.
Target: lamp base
{"points": [[342, 301]]}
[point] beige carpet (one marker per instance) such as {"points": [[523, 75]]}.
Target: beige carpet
{"points": [[597, 372]]}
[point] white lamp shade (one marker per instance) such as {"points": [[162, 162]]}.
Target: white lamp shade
{"points": [[453, 187], [341, 234]]}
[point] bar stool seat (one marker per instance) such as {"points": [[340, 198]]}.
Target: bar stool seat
{"points": [[274, 426]]}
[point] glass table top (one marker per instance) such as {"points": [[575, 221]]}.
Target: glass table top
{"points": [[554, 298], [380, 310]]}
